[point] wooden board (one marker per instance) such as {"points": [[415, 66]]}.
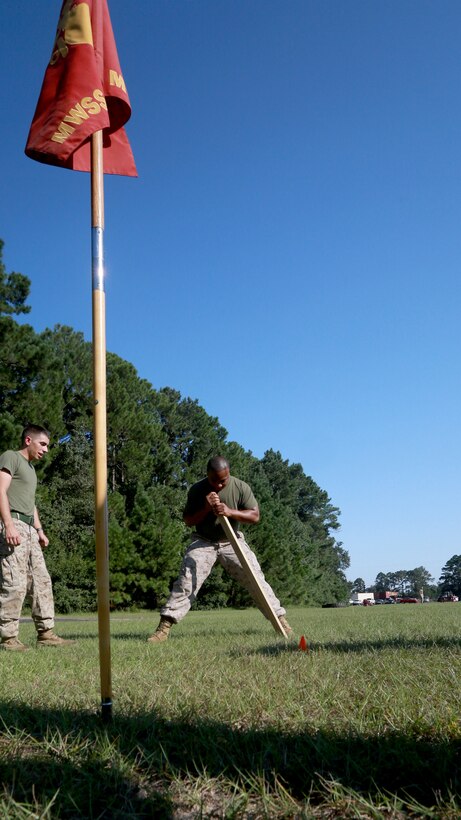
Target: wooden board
{"points": [[260, 595]]}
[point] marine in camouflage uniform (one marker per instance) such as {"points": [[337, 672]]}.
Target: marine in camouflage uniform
{"points": [[23, 571], [218, 494]]}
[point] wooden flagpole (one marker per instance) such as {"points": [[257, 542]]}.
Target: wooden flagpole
{"points": [[260, 595], [100, 421]]}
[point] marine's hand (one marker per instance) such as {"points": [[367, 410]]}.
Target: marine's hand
{"points": [[218, 507], [12, 536], [43, 540], [212, 499], [222, 509]]}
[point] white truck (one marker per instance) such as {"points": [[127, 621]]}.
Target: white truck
{"points": [[362, 597]]}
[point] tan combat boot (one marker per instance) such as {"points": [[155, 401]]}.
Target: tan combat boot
{"points": [[286, 625], [48, 638], [13, 645], [162, 633]]}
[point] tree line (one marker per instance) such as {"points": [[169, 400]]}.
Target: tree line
{"points": [[409, 582], [158, 445]]}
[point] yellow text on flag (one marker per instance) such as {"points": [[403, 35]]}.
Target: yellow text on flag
{"points": [[86, 107], [116, 79]]}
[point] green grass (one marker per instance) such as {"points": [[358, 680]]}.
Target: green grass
{"points": [[225, 720]]}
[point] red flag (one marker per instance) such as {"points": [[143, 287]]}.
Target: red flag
{"points": [[83, 92]]}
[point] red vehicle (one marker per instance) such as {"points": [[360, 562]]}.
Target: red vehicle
{"points": [[408, 601]]}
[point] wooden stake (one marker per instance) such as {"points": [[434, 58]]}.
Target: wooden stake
{"points": [[260, 595]]}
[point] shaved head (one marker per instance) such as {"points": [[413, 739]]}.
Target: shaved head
{"points": [[216, 464]]}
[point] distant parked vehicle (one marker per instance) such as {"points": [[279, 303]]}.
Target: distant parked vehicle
{"points": [[447, 597], [408, 601]]}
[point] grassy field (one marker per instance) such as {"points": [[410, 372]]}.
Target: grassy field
{"points": [[225, 720]]}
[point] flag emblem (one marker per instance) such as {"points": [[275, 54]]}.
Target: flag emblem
{"points": [[83, 92], [74, 27]]}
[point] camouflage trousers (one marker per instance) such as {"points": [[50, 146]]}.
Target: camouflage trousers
{"points": [[199, 560], [23, 573]]}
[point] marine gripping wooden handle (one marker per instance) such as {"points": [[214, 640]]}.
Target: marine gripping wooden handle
{"points": [[260, 595]]}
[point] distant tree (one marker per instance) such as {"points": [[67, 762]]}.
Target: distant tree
{"points": [[21, 358], [65, 498], [382, 583], [319, 559], [405, 582], [68, 376], [450, 578], [191, 434], [419, 579], [133, 430], [14, 290], [358, 585], [145, 549]]}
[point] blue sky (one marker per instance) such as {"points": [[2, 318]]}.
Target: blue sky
{"points": [[290, 254]]}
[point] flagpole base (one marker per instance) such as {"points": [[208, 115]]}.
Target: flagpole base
{"points": [[106, 710]]}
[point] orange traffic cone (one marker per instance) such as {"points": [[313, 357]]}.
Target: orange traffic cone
{"points": [[303, 646]]}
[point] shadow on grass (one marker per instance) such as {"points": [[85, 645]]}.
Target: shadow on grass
{"points": [[84, 634], [402, 642], [399, 642], [124, 769]]}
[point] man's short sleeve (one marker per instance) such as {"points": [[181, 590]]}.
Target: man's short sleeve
{"points": [[247, 499], [9, 462], [195, 498]]}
